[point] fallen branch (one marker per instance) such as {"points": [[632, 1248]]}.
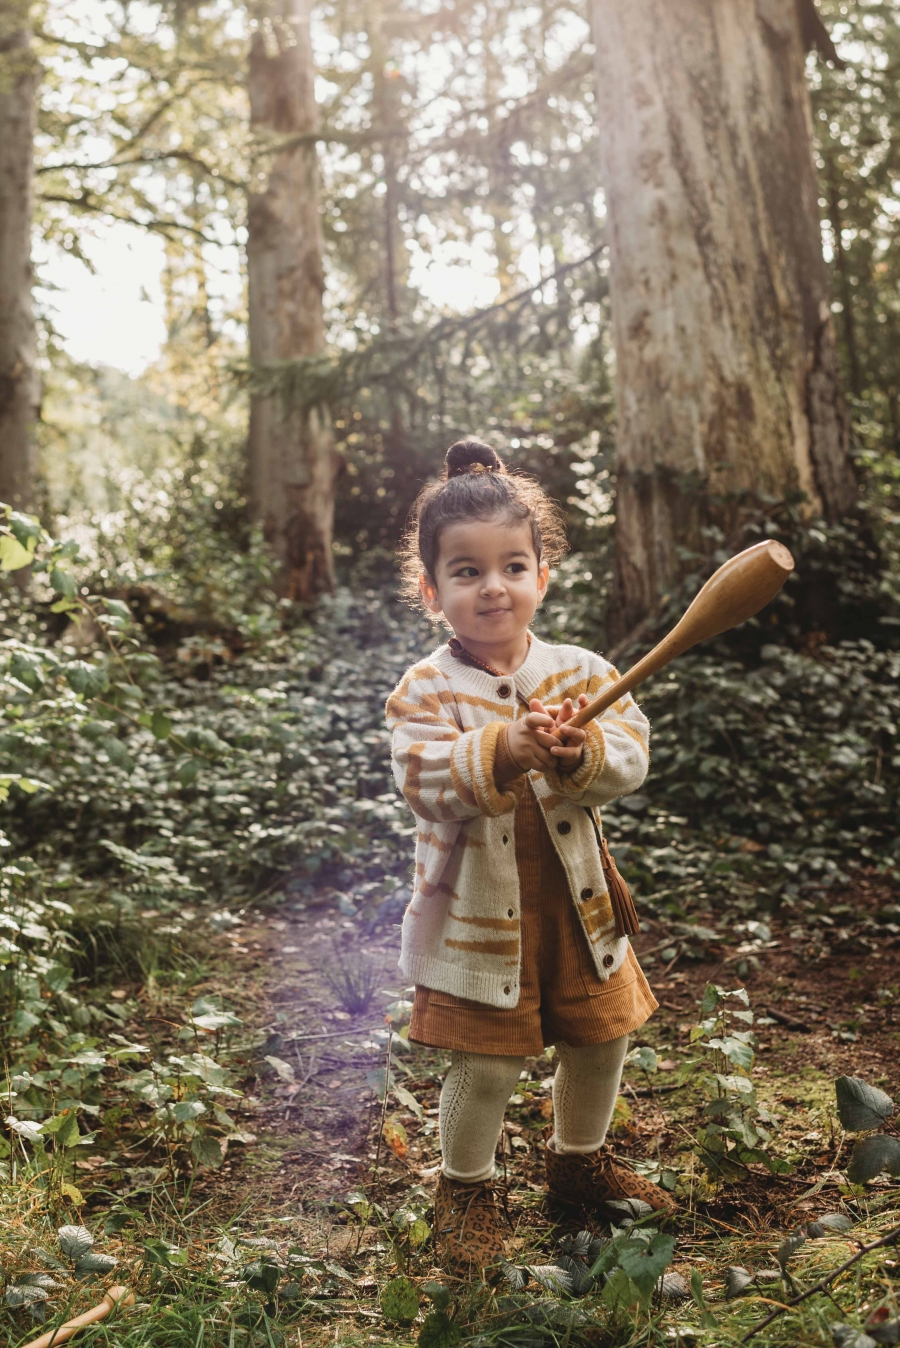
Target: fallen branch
{"points": [[116, 1296], [651, 1090], [790, 1022], [822, 1285]]}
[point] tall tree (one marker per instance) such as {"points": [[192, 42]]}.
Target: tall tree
{"points": [[291, 456], [19, 388], [727, 383]]}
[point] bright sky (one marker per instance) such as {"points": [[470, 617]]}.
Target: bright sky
{"points": [[114, 314]]}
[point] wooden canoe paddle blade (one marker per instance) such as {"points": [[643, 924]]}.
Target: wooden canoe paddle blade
{"points": [[738, 590]]}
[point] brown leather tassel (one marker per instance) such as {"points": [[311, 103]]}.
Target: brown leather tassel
{"points": [[627, 921]]}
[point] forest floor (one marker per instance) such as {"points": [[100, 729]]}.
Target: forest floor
{"points": [[826, 1005], [311, 1190]]}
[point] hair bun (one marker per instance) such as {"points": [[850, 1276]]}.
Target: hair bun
{"points": [[472, 456]]}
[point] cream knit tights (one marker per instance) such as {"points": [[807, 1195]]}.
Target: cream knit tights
{"points": [[584, 1093], [474, 1097], [476, 1092]]}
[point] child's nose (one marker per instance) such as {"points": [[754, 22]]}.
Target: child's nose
{"points": [[492, 583]]}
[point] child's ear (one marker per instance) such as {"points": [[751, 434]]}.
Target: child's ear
{"points": [[543, 580], [429, 593]]}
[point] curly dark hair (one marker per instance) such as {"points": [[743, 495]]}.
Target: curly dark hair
{"points": [[475, 485]]}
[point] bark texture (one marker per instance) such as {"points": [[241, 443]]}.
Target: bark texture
{"points": [[19, 385], [727, 383], [291, 455]]}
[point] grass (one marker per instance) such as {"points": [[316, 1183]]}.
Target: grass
{"points": [[206, 1304], [242, 1256]]}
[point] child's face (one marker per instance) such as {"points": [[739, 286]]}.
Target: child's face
{"points": [[488, 582]]}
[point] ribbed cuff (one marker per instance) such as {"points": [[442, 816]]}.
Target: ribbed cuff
{"points": [[588, 770], [472, 761], [506, 769]]}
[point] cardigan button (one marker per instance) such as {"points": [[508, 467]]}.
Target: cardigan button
{"points": [[505, 839], [607, 961], [510, 912], [506, 991], [587, 893], [503, 690], [564, 826]]}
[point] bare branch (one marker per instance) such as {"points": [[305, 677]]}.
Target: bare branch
{"points": [[822, 1285]]}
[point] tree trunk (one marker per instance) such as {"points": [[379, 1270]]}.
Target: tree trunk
{"points": [[727, 385], [19, 385], [291, 455]]}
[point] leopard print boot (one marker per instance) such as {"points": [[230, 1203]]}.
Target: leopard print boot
{"points": [[466, 1225], [593, 1178]]}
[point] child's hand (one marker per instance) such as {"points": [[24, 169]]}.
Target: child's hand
{"points": [[533, 745], [568, 754]]}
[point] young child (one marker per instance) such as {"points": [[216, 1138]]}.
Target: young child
{"points": [[511, 937]]}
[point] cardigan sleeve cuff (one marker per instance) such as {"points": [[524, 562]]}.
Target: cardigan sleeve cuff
{"points": [[472, 761], [593, 757], [506, 769]]}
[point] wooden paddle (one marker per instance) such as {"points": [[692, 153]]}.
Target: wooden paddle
{"points": [[116, 1296], [738, 590]]}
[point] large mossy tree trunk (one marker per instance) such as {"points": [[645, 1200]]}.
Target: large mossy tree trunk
{"points": [[292, 462], [727, 383], [19, 384]]}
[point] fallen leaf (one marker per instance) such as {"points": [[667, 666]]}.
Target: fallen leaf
{"points": [[395, 1137]]}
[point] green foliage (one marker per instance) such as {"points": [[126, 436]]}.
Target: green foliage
{"points": [[399, 1301], [155, 786], [734, 1135], [776, 768], [862, 1108]]}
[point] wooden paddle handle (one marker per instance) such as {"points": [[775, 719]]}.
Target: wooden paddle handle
{"points": [[116, 1296], [734, 593]]}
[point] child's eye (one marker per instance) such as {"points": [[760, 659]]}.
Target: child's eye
{"points": [[517, 567], [466, 572]]}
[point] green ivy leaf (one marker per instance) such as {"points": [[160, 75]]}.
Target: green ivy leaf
{"points": [[26, 528], [161, 726], [207, 1151], [95, 1262], [860, 1106], [117, 753], [644, 1264], [13, 557], [262, 1275], [185, 1111], [74, 1241], [63, 583], [871, 1156], [86, 680], [188, 771], [64, 1128], [161, 1252]]}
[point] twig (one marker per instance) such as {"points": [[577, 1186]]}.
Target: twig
{"points": [[822, 1284], [650, 1091], [384, 1105], [328, 1034], [789, 1021]]}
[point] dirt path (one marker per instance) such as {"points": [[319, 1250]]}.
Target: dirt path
{"points": [[826, 989]]}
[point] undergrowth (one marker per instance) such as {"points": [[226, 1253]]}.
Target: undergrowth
{"points": [[164, 775]]}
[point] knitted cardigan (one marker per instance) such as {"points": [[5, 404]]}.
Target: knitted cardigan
{"points": [[448, 721]]}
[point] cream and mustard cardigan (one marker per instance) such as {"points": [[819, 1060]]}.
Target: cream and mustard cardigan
{"points": [[461, 930]]}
